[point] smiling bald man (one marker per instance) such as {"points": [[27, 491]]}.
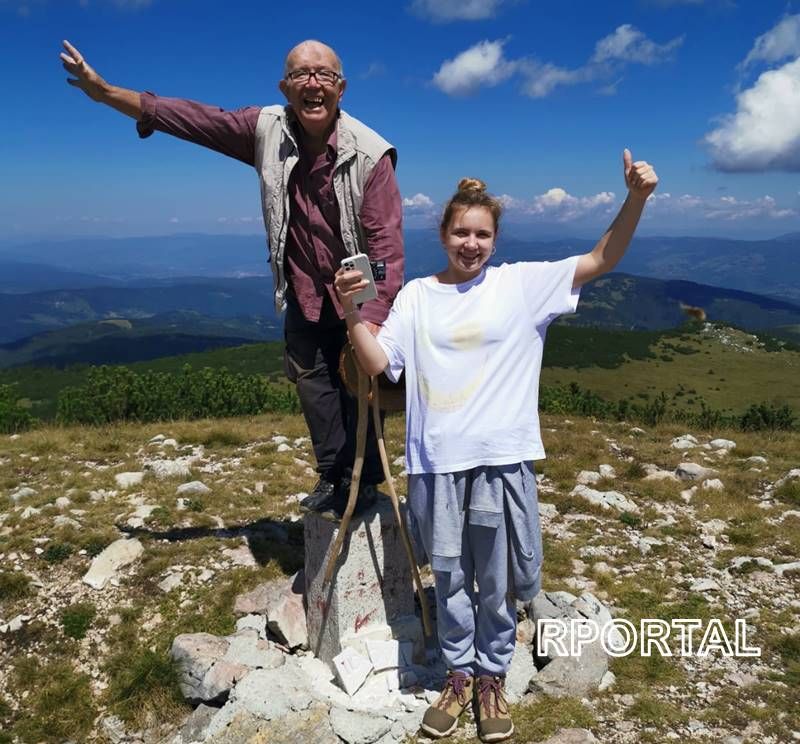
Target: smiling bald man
{"points": [[328, 190]]}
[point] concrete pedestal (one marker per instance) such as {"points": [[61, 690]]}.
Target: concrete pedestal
{"points": [[371, 595]]}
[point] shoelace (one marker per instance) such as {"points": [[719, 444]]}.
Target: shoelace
{"points": [[455, 685], [489, 688]]}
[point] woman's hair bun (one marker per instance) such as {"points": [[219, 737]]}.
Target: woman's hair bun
{"points": [[472, 184]]}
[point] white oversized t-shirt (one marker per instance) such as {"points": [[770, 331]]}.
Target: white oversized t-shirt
{"points": [[472, 354]]}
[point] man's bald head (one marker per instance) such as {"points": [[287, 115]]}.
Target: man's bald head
{"points": [[315, 46]]}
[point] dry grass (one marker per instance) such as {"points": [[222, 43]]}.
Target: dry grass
{"points": [[250, 482]]}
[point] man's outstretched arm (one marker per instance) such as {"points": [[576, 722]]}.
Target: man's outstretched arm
{"points": [[231, 133], [84, 77]]}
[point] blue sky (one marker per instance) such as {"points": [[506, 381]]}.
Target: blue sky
{"points": [[536, 98]]}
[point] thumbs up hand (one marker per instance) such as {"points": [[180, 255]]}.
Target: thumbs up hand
{"points": [[640, 178]]}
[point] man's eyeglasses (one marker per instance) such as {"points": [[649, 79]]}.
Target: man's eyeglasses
{"points": [[301, 77]]}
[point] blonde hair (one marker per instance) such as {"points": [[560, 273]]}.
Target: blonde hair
{"points": [[471, 193]]}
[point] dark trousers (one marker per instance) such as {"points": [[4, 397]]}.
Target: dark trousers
{"points": [[311, 361]]}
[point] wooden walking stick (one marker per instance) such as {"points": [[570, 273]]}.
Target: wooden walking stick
{"points": [[355, 480], [361, 441], [376, 419]]}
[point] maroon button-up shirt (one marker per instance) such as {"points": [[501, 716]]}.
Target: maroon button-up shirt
{"points": [[314, 247]]}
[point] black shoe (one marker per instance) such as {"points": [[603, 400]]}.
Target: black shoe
{"points": [[367, 495], [321, 497]]}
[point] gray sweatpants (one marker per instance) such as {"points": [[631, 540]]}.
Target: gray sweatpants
{"points": [[478, 526], [477, 629]]}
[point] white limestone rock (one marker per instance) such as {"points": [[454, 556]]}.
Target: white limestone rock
{"points": [[786, 568], [169, 468], [704, 585], [687, 441], [692, 471], [607, 471], [22, 493], [547, 511], [246, 648], [173, 581], [128, 480], [193, 488], [358, 728], [253, 622], [605, 499], [119, 554], [588, 477], [519, 674]]}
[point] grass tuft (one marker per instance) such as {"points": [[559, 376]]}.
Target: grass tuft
{"points": [[77, 619], [144, 687], [14, 585], [60, 705]]}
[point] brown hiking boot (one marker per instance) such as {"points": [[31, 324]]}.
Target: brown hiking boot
{"points": [[441, 718], [494, 720]]}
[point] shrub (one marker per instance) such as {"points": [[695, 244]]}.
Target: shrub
{"points": [[631, 520], [57, 552], [13, 418], [120, 394]]}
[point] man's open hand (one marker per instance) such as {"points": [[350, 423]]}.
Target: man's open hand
{"points": [[85, 77]]}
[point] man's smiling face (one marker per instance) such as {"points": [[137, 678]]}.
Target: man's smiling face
{"points": [[313, 101]]}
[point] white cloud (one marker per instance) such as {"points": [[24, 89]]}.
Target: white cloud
{"points": [[726, 208], [418, 201], [628, 44], [541, 79], [610, 89], [764, 133], [482, 64], [779, 43], [239, 220], [456, 10], [558, 205], [375, 69], [731, 208]]}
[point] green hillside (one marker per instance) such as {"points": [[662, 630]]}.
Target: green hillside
{"points": [[724, 368]]}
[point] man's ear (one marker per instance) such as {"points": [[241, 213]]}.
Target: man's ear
{"points": [[341, 90], [283, 87]]}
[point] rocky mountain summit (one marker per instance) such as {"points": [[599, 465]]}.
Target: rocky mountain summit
{"points": [[151, 591]]}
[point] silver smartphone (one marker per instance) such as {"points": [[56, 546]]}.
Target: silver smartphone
{"points": [[360, 262]]}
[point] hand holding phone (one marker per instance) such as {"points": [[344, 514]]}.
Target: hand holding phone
{"points": [[360, 262]]}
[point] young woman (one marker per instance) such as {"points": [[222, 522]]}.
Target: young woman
{"points": [[470, 339]]}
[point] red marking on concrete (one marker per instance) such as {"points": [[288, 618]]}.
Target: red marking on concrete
{"points": [[362, 620]]}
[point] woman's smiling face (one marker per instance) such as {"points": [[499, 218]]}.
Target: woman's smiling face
{"points": [[468, 241]]}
